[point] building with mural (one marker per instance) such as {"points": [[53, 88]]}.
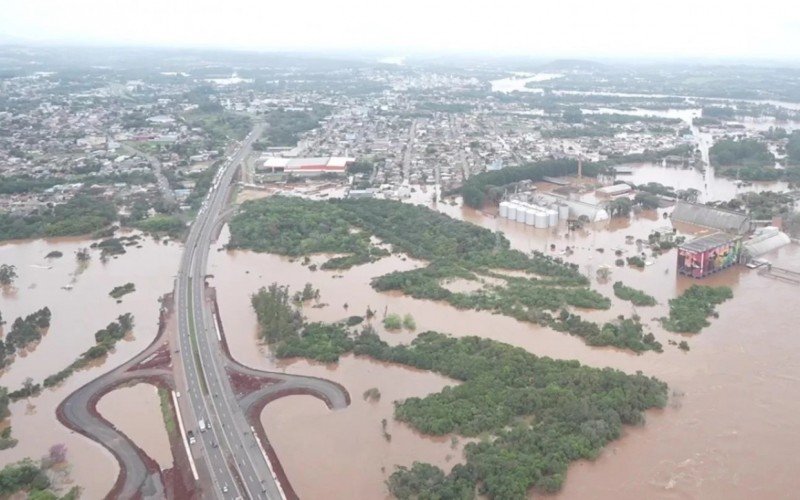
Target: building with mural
{"points": [[708, 254]]}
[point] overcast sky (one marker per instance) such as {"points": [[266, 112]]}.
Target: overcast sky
{"points": [[767, 29]]}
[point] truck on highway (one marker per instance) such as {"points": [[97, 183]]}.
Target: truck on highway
{"points": [[202, 424], [190, 436]]}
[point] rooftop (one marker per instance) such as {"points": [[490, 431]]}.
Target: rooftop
{"points": [[702, 215], [707, 242]]}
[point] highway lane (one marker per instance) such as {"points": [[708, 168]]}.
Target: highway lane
{"points": [[227, 450]]}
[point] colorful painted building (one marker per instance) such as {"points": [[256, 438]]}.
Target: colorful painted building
{"points": [[708, 254]]}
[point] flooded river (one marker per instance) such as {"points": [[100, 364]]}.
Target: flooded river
{"points": [[77, 314], [730, 430]]}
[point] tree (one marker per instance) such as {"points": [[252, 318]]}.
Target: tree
{"points": [[572, 115], [8, 273], [57, 454], [28, 385], [393, 322], [691, 195], [621, 207], [409, 323], [4, 402]]}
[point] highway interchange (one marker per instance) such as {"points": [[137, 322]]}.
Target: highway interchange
{"points": [[226, 456]]}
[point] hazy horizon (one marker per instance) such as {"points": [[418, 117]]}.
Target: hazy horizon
{"points": [[615, 29]]}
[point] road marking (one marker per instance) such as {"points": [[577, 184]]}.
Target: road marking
{"points": [[183, 436]]}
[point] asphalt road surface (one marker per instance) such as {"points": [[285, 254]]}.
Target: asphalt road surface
{"points": [[227, 450]]}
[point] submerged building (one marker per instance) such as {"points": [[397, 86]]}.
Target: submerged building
{"points": [[714, 218], [708, 254], [764, 240]]}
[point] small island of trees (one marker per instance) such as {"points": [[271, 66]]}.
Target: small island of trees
{"points": [[119, 291], [689, 312]]}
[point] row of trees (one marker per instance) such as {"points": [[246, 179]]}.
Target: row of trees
{"points": [[744, 152], [105, 340], [637, 297]]}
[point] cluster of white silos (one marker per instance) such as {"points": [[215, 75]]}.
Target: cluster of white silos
{"points": [[533, 215]]}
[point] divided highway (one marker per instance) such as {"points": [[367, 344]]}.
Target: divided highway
{"points": [[226, 450], [226, 454]]}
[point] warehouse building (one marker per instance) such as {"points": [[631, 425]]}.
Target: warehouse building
{"points": [[307, 166], [714, 218]]}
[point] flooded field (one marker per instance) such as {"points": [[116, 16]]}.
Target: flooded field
{"points": [[352, 443], [729, 432], [147, 429], [77, 313], [711, 186]]}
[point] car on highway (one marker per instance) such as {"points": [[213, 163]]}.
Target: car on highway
{"points": [[191, 437]]}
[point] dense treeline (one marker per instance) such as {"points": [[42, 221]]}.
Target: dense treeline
{"points": [[286, 126], [171, 225], [24, 331], [539, 414], [295, 227], [745, 152], [455, 249], [81, 215], [637, 297], [689, 312]]}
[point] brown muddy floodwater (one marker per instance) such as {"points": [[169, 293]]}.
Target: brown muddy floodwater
{"points": [[730, 430], [77, 314], [711, 186], [147, 428]]}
